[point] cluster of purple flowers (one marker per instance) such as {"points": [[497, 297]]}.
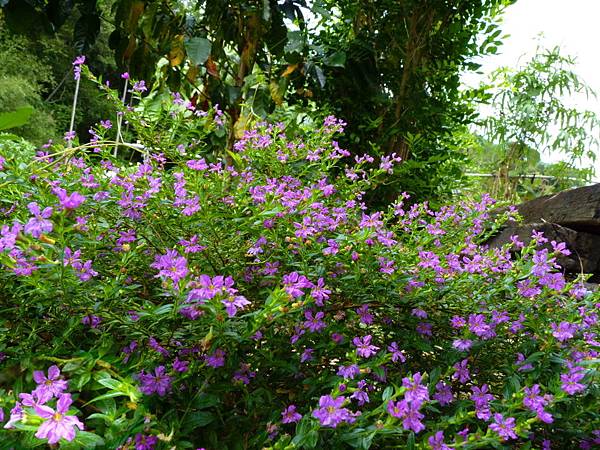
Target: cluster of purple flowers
{"points": [[536, 403], [407, 409], [171, 265], [324, 222], [206, 288], [331, 411], [158, 382], [57, 423]]}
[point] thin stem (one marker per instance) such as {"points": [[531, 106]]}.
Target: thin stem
{"points": [[70, 142], [120, 117]]}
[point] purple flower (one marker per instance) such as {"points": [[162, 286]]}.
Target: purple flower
{"points": [[365, 316], [57, 424], [415, 392], [536, 402], [154, 345], [349, 372], [396, 353], [478, 326], [53, 384], [462, 345], [458, 322], [437, 441], [424, 328], [68, 201], [320, 293], [554, 281], [76, 71], [244, 374], [91, 320], [313, 322], [397, 409], [571, 381], [171, 265], [363, 346], [418, 312], [216, 359], [233, 303], [206, 287], [84, 270], [180, 366], [409, 413], [38, 224], [289, 415], [360, 394], [564, 331], [307, 355], [35, 398], [462, 372], [331, 413], [443, 393], [521, 364], [158, 382], [16, 415], [140, 86], [197, 164], [145, 442], [294, 283], [481, 397], [504, 427], [527, 288]]}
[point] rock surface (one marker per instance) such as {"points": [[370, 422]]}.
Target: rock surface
{"points": [[578, 209], [572, 217]]}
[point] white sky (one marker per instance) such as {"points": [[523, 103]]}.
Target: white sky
{"points": [[574, 25]]}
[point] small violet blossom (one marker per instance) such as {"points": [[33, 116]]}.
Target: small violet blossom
{"points": [[57, 424], [159, 382], [290, 415], [331, 413], [363, 346], [52, 384], [504, 427]]}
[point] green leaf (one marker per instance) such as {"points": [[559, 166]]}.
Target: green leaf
{"points": [[108, 395], [311, 439], [295, 42], [87, 439], [15, 118], [199, 419], [410, 442], [198, 49], [337, 59], [110, 383], [82, 380], [387, 393], [206, 401]]}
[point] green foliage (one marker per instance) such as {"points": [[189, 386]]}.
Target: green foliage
{"points": [[36, 71], [390, 68], [192, 299], [530, 117], [15, 118], [21, 86], [527, 177]]}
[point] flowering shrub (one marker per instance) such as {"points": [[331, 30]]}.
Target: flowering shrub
{"points": [[181, 301]]}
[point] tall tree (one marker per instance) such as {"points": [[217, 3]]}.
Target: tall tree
{"points": [[390, 68]]}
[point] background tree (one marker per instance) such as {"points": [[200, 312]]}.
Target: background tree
{"points": [[389, 68], [530, 116]]}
